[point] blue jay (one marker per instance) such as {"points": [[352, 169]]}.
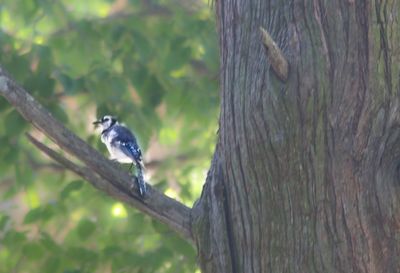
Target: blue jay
{"points": [[122, 146]]}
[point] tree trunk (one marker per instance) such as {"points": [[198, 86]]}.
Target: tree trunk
{"points": [[305, 173]]}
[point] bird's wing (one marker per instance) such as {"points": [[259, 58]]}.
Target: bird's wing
{"points": [[123, 133], [131, 150], [126, 142]]}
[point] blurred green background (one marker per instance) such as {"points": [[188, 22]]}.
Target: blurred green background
{"points": [[151, 63]]}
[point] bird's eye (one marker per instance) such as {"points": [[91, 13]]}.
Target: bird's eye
{"points": [[106, 119]]}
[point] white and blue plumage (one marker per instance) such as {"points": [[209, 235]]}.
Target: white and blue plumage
{"points": [[122, 146]]}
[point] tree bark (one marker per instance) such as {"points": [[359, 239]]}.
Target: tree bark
{"points": [[305, 173]]}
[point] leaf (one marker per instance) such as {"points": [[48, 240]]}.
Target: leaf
{"points": [[72, 271], [51, 265], [29, 10], [159, 227], [41, 85], [142, 46], [70, 188], [48, 211], [85, 228], [4, 219], [59, 113], [14, 123], [9, 152], [77, 61], [23, 174], [138, 73], [33, 251], [126, 260], [180, 246], [71, 86], [44, 53], [4, 105], [81, 254], [152, 92], [33, 215], [111, 250], [13, 238], [48, 243], [179, 54]]}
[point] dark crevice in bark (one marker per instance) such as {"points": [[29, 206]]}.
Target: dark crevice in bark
{"points": [[229, 226], [210, 224], [384, 44]]}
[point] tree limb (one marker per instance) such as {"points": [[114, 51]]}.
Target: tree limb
{"points": [[103, 175]]}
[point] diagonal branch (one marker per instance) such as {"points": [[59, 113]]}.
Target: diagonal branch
{"points": [[114, 190], [105, 176]]}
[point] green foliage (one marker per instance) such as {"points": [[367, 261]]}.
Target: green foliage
{"points": [[71, 187], [152, 63]]}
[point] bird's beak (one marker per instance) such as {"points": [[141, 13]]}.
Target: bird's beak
{"points": [[96, 123]]}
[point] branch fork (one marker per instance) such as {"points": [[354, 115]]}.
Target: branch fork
{"points": [[96, 169]]}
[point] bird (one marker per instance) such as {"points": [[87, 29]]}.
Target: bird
{"points": [[122, 145]]}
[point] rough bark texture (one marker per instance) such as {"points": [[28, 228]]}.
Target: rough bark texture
{"points": [[305, 177]]}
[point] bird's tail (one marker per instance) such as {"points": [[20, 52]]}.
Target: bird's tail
{"points": [[140, 181], [141, 165]]}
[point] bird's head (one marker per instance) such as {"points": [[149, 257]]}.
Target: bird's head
{"points": [[105, 122]]}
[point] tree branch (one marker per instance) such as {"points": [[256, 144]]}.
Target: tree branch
{"points": [[99, 171], [35, 165]]}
